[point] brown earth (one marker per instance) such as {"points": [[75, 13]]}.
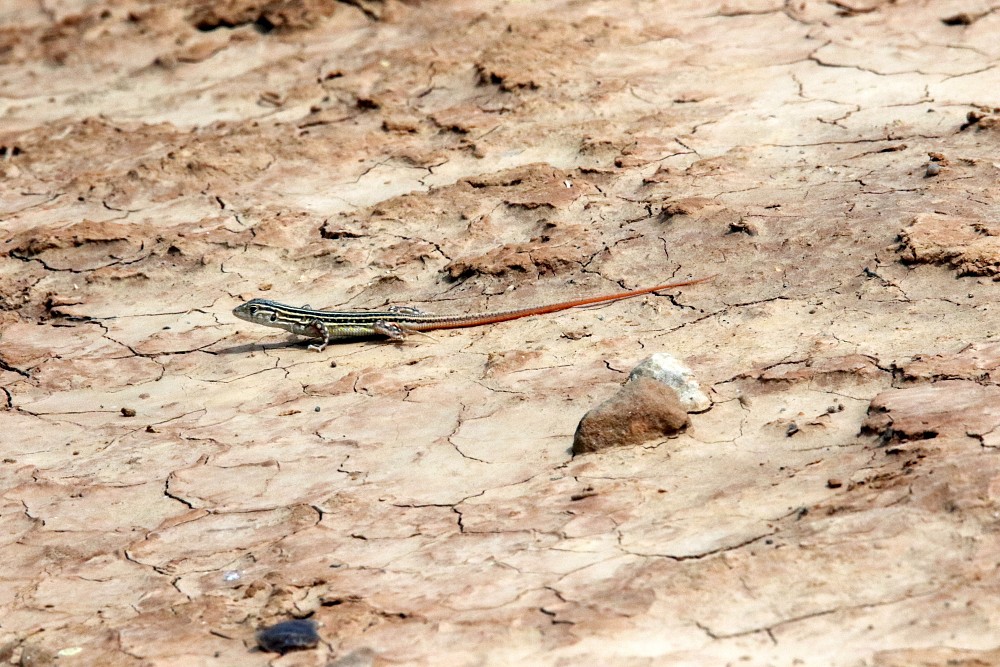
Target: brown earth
{"points": [[174, 479]]}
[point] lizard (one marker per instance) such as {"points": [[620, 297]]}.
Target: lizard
{"points": [[396, 322]]}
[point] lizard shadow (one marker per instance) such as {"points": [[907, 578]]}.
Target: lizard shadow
{"points": [[257, 347], [301, 343]]}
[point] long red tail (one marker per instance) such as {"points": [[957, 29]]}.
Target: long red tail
{"points": [[463, 321]]}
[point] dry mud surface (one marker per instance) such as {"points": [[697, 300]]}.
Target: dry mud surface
{"points": [[174, 479]]}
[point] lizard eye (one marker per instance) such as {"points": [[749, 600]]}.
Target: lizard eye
{"points": [[252, 310]]}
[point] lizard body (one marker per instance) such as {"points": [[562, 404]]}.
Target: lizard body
{"points": [[396, 322]]}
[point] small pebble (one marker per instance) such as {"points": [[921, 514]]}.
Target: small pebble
{"points": [[288, 636], [792, 429], [933, 169], [834, 483], [128, 412]]}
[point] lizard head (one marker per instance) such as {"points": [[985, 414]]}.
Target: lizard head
{"points": [[259, 311]]}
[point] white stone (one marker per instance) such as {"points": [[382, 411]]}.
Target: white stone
{"points": [[672, 372]]}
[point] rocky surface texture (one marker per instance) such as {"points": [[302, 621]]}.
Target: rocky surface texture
{"points": [[174, 479]]}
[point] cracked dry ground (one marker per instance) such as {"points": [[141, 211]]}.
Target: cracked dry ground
{"points": [[173, 479]]}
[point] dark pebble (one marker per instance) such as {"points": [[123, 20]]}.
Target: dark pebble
{"points": [[288, 636]]}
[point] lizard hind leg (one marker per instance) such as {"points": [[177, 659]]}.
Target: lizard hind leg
{"points": [[396, 332], [390, 330], [406, 310]]}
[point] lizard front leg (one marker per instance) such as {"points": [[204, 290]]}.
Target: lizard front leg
{"points": [[323, 332]]}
